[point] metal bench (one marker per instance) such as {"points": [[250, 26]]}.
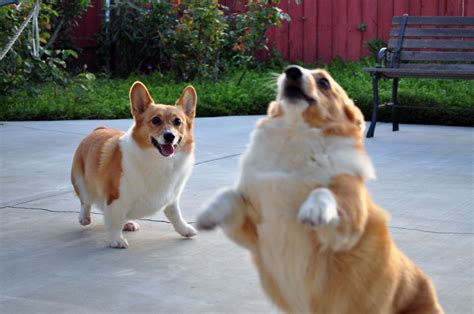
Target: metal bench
{"points": [[439, 47]]}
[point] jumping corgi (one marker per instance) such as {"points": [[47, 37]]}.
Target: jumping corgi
{"points": [[133, 174], [302, 209]]}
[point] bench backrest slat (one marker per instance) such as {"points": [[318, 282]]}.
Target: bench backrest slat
{"points": [[437, 56], [435, 20], [433, 44], [439, 66], [434, 32]]}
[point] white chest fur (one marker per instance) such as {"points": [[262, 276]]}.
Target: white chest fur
{"points": [[150, 181], [279, 170]]}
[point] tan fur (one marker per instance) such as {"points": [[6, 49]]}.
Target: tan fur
{"points": [[352, 268], [98, 161]]}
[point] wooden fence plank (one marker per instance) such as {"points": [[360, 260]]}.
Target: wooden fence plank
{"points": [[415, 7], [325, 31], [296, 33], [468, 8], [454, 7], [281, 34], [401, 7], [429, 7], [369, 16], [385, 14], [339, 24], [310, 27], [354, 34]]}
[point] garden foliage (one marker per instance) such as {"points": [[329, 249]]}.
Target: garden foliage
{"points": [[193, 39], [20, 68]]}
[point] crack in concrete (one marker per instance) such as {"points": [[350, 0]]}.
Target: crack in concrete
{"points": [[48, 194], [217, 159], [39, 129], [192, 222], [92, 212]]}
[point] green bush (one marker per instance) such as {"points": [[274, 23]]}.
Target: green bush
{"points": [[21, 67], [426, 101], [193, 39]]}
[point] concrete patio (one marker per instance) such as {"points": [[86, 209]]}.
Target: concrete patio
{"points": [[49, 263]]}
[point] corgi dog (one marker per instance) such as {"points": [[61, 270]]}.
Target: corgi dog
{"points": [[133, 174], [302, 209]]}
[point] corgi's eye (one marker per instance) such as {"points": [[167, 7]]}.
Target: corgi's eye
{"points": [[156, 120], [323, 83], [177, 122]]}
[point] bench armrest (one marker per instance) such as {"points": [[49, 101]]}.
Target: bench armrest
{"points": [[381, 57]]}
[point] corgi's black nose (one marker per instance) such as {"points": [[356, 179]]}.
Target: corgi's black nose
{"points": [[293, 72], [168, 136]]}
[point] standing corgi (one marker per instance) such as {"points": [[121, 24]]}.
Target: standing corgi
{"points": [[133, 174], [302, 209]]}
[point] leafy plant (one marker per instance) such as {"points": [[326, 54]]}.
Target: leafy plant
{"points": [[374, 45], [20, 66], [249, 27], [193, 39]]}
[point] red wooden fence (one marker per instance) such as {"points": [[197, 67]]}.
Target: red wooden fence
{"points": [[324, 29]]}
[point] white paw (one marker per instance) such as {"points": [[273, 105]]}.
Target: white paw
{"points": [[186, 230], [218, 211], [131, 226], [319, 209], [84, 219], [119, 243], [207, 220]]}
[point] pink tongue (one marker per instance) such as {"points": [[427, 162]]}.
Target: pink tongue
{"points": [[167, 150]]}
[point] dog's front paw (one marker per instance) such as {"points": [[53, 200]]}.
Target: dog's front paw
{"points": [[186, 230], [119, 243], [207, 220], [319, 209]]}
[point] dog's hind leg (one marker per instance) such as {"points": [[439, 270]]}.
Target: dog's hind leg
{"points": [[231, 211], [114, 220], [131, 226], [85, 212]]}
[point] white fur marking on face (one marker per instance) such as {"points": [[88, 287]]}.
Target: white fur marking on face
{"points": [[320, 208]]}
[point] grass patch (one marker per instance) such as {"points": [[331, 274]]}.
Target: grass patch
{"points": [[427, 101]]}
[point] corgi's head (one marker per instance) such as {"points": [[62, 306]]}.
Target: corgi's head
{"points": [[314, 98], [164, 127]]}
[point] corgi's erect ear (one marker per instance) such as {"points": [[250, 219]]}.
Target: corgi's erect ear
{"points": [[140, 98], [188, 101]]}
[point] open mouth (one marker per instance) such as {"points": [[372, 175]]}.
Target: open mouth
{"points": [[167, 150], [293, 91]]}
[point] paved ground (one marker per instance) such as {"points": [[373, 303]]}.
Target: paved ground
{"points": [[49, 263]]}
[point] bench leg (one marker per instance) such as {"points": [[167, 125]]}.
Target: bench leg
{"points": [[394, 104], [375, 83]]}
